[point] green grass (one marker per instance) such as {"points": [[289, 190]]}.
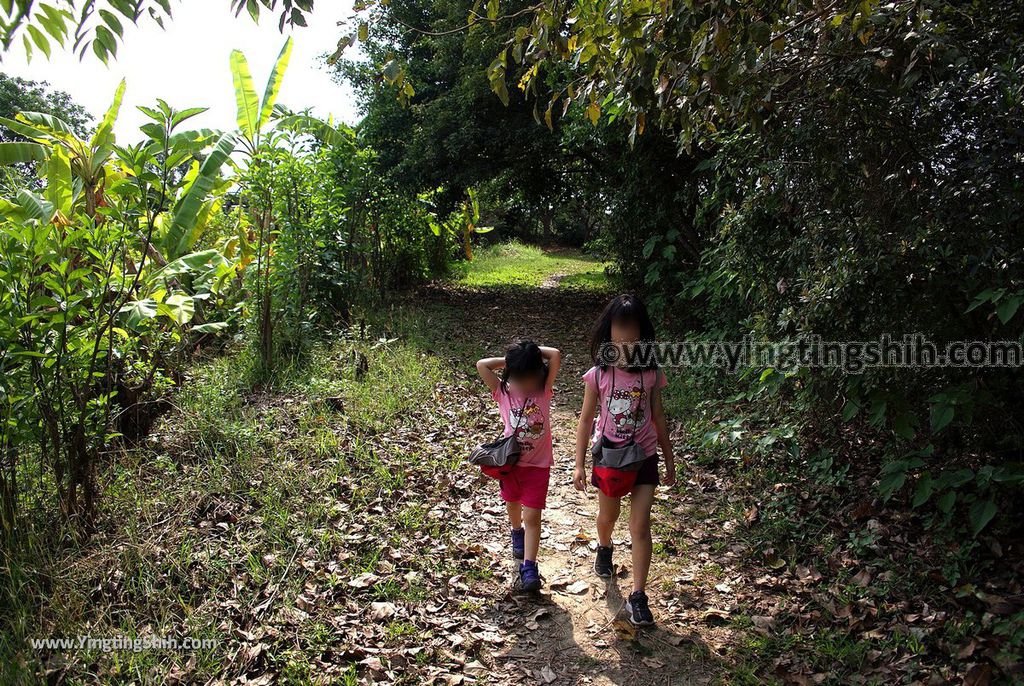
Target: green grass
{"points": [[298, 484], [528, 266]]}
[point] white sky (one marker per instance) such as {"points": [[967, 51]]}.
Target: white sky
{"points": [[187, 65]]}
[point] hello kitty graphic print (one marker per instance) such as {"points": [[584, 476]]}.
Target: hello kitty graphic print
{"points": [[624, 410], [529, 421]]}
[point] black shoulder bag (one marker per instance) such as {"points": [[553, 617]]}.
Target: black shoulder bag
{"points": [[498, 457]]}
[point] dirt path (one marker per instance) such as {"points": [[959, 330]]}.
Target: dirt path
{"points": [[574, 630]]}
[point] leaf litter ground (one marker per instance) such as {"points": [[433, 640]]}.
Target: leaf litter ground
{"points": [[328, 533]]}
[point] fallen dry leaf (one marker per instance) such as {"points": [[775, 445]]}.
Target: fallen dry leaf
{"points": [[624, 630], [715, 616], [381, 611], [546, 675], [364, 580], [577, 587]]}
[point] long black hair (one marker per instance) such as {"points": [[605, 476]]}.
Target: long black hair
{"points": [[622, 308], [523, 359]]}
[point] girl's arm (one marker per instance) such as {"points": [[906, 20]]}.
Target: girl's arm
{"points": [[554, 359], [485, 368], [658, 414], [583, 431]]}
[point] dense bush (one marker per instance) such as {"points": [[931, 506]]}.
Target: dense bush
{"points": [[96, 305], [884, 199], [119, 261], [771, 170]]}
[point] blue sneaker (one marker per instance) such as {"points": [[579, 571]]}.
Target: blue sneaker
{"points": [[518, 544], [529, 576]]}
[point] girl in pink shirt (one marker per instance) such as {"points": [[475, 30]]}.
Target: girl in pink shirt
{"points": [[628, 400], [523, 392]]}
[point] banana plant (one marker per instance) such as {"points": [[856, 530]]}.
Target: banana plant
{"points": [[150, 169], [265, 132], [254, 115], [163, 191], [87, 158], [304, 123], [256, 139], [259, 120], [462, 224], [174, 180], [470, 220]]}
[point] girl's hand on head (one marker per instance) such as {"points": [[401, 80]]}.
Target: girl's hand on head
{"points": [[485, 368], [579, 479]]}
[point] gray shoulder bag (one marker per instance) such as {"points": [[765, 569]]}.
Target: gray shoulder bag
{"points": [[628, 458], [503, 452]]}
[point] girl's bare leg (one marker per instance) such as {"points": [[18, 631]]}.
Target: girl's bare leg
{"points": [[515, 515], [607, 515], [531, 520], [640, 503]]}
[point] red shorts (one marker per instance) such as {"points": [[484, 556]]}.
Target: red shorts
{"points": [[527, 486]]}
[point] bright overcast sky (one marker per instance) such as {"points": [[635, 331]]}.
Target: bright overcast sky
{"points": [[187, 65]]}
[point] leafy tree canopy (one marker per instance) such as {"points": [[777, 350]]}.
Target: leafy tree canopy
{"points": [[98, 26], [450, 132], [21, 95]]}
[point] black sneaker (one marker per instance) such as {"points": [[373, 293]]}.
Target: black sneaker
{"points": [[637, 609], [603, 566]]}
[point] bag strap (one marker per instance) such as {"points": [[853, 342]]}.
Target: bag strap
{"points": [[639, 405], [606, 408], [522, 408]]}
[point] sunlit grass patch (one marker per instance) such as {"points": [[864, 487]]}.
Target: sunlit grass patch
{"points": [[526, 266], [590, 280]]}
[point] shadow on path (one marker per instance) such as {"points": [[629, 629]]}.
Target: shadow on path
{"points": [[574, 630]]}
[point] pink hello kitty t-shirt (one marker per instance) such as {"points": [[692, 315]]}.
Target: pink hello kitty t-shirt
{"points": [[529, 421], [624, 411]]}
